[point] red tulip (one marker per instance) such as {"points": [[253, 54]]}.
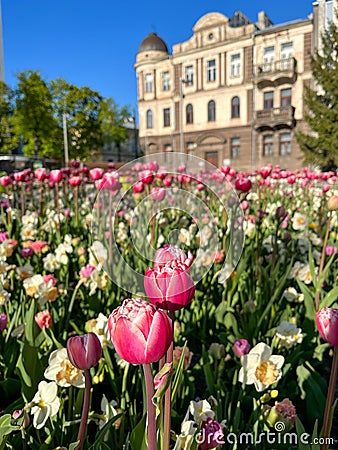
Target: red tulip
{"points": [[146, 176], [43, 319], [138, 187], [327, 324], [265, 171], [140, 333], [170, 287], [243, 184], [84, 351]]}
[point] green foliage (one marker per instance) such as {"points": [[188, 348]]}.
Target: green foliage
{"points": [[321, 100]]}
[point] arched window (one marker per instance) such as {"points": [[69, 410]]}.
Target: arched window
{"points": [[211, 111], [189, 114], [149, 118], [235, 108]]}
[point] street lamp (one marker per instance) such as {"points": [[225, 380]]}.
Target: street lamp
{"points": [[65, 139]]}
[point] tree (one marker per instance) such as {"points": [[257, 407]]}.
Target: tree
{"points": [[33, 116], [81, 107], [320, 145], [113, 121], [9, 141]]}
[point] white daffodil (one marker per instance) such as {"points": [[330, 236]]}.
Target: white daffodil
{"points": [[46, 403], [108, 410], [99, 326], [201, 410], [292, 295], [299, 221], [61, 370], [289, 334], [260, 367]]}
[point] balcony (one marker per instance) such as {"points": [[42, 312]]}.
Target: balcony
{"points": [[275, 118], [275, 73]]}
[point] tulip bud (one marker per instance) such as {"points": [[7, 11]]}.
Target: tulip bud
{"points": [[84, 351], [327, 324], [283, 411], [241, 347], [332, 203], [140, 333], [170, 287], [3, 322]]}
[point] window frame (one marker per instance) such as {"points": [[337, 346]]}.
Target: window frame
{"points": [[283, 143], [235, 65], [149, 119], [235, 107], [148, 78], [267, 145], [166, 117], [211, 71], [268, 103], [211, 111], [189, 114], [166, 81], [235, 147]]}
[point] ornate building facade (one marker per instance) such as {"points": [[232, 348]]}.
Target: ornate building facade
{"points": [[231, 94]]}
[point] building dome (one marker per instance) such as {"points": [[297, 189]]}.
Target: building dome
{"points": [[153, 43]]}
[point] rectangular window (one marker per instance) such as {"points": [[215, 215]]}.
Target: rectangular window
{"points": [[211, 70], [285, 98], [268, 100], [268, 145], [149, 82], [285, 144], [166, 117], [268, 58], [189, 75], [286, 53], [235, 148], [235, 65], [165, 81]]}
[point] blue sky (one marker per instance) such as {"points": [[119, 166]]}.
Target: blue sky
{"points": [[94, 43]]}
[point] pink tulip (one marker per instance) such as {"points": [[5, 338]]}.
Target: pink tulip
{"points": [[140, 333], [74, 181], [332, 203], [265, 171], [96, 174], [170, 287], [55, 176], [158, 193], [167, 181], [110, 182], [241, 347], [43, 319], [5, 180], [327, 324], [40, 173], [84, 351], [169, 253], [138, 187], [326, 188]]}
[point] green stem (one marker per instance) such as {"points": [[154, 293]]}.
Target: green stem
{"points": [[322, 260], [329, 399], [167, 404], [152, 444], [85, 410]]}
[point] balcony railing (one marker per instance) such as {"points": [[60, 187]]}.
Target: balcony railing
{"points": [[272, 71], [274, 117]]}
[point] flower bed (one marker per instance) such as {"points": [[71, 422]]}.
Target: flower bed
{"points": [[251, 259]]}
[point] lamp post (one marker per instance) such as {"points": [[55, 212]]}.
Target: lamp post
{"points": [[65, 139]]}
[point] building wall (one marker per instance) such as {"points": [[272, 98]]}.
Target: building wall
{"points": [[239, 139]]}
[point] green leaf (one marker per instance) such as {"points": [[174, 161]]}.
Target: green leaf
{"points": [[138, 435], [301, 432], [178, 374], [6, 427], [330, 298]]}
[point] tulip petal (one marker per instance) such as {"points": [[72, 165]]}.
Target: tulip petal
{"points": [[129, 341], [159, 338]]}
